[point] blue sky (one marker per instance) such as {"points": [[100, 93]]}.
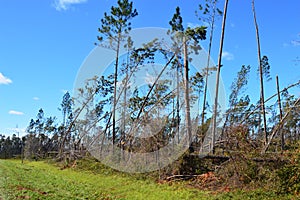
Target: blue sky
{"points": [[43, 44]]}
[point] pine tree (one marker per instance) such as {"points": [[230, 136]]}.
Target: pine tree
{"points": [[115, 27], [195, 34]]}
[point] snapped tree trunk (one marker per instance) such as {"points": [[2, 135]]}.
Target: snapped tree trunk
{"points": [[280, 112], [262, 97], [214, 125]]}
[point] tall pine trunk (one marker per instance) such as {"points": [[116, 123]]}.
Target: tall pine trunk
{"points": [[214, 125], [177, 103], [262, 97], [187, 93], [115, 90], [207, 68]]}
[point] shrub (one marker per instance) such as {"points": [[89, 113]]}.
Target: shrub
{"points": [[289, 175]]}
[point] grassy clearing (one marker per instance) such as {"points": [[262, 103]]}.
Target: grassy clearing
{"points": [[40, 180]]}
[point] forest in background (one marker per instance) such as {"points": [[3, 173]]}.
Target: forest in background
{"points": [[252, 143]]}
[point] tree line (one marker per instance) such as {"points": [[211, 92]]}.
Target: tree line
{"points": [[113, 113]]}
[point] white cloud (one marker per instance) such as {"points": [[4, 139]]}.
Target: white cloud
{"points": [[13, 112], [65, 4], [4, 80], [36, 98], [295, 42], [18, 131], [227, 56]]}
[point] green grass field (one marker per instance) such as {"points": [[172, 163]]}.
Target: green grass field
{"points": [[40, 180]]}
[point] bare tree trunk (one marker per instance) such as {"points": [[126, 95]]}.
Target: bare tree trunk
{"points": [[177, 104], [207, 67], [262, 97], [214, 125], [124, 113], [280, 112], [123, 125], [115, 92], [187, 93]]}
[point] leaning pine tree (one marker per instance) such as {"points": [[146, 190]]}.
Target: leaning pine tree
{"points": [[115, 28], [187, 35]]}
